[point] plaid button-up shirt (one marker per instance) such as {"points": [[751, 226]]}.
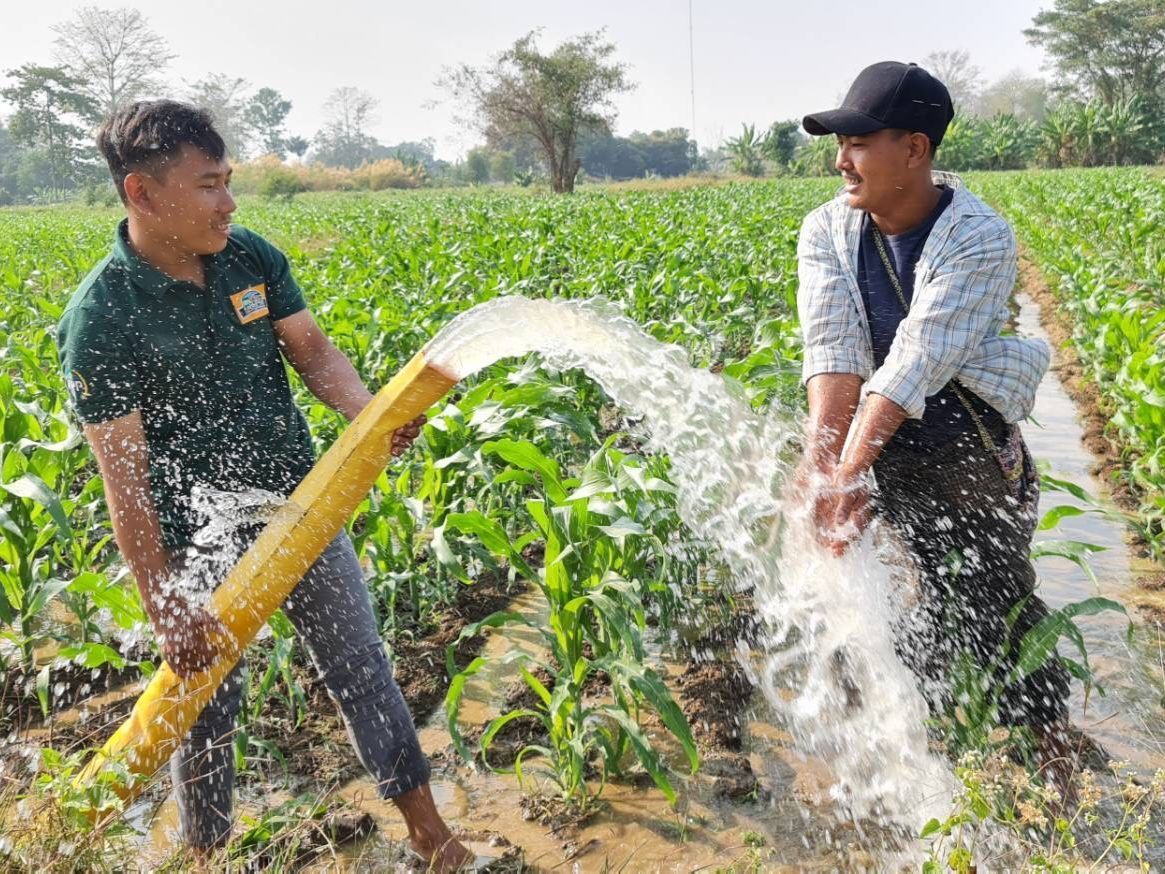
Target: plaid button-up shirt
{"points": [[962, 283]]}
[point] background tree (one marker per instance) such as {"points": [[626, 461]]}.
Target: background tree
{"points": [[1113, 50], [502, 167], [297, 146], [413, 154], [962, 146], [745, 151], [963, 79], [49, 107], [477, 166], [265, 115], [10, 155], [1097, 133], [662, 153], [225, 97], [781, 142], [665, 152], [528, 154], [344, 140], [549, 98], [113, 53], [605, 156], [818, 156], [1016, 94]]}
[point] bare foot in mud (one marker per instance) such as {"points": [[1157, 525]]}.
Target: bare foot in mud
{"points": [[444, 857], [429, 836], [1056, 762]]}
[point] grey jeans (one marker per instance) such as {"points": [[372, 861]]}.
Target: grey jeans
{"points": [[332, 612]]}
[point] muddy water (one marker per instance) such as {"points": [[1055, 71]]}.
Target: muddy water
{"points": [[794, 821], [1127, 721], [797, 825]]}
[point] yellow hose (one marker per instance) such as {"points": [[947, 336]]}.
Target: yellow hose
{"points": [[268, 571]]}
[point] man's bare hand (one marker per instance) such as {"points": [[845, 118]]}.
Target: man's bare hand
{"points": [[403, 437], [851, 510], [190, 637], [813, 487]]}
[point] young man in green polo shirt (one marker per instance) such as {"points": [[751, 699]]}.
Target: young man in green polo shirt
{"points": [[173, 348]]}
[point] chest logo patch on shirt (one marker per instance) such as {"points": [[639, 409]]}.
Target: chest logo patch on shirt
{"points": [[250, 303], [78, 386]]}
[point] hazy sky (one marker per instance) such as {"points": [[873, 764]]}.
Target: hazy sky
{"points": [[754, 61]]}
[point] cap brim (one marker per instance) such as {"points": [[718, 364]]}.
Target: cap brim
{"points": [[847, 122]]}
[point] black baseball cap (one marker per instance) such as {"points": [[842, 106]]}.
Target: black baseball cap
{"points": [[888, 94]]}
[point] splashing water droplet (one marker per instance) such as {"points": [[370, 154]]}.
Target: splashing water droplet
{"points": [[829, 666]]}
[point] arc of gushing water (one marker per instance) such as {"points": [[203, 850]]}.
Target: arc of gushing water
{"points": [[728, 474]]}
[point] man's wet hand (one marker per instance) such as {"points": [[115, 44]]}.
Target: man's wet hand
{"points": [[851, 510], [403, 437], [812, 487], [190, 637]]}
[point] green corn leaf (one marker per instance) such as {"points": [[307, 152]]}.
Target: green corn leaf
{"points": [[534, 683], [93, 655], [33, 488], [653, 689], [444, 554], [529, 457], [497, 724], [495, 620], [453, 704], [1051, 483], [492, 535], [1039, 643], [594, 482], [42, 689], [42, 594], [621, 528], [1075, 551], [647, 756], [1057, 514]]}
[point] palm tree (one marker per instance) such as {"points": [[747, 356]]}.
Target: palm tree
{"points": [[746, 151]]}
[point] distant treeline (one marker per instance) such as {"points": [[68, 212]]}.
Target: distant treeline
{"points": [[548, 117]]}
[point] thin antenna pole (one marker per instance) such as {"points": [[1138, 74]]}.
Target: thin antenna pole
{"points": [[692, 68]]}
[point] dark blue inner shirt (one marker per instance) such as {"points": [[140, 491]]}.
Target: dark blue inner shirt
{"points": [[945, 417]]}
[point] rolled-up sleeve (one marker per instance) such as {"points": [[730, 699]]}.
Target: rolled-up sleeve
{"points": [[950, 315], [835, 340]]}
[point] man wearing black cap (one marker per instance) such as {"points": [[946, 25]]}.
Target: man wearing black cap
{"points": [[904, 282]]}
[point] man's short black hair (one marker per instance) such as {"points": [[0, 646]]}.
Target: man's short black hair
{"points": [[145, 135]]}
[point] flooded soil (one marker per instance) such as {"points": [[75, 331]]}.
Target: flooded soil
{"points": [[1092, 414], [1127, 720], [757, 801]]}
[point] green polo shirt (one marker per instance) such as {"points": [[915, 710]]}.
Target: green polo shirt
{"points": [[201, 364]]}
